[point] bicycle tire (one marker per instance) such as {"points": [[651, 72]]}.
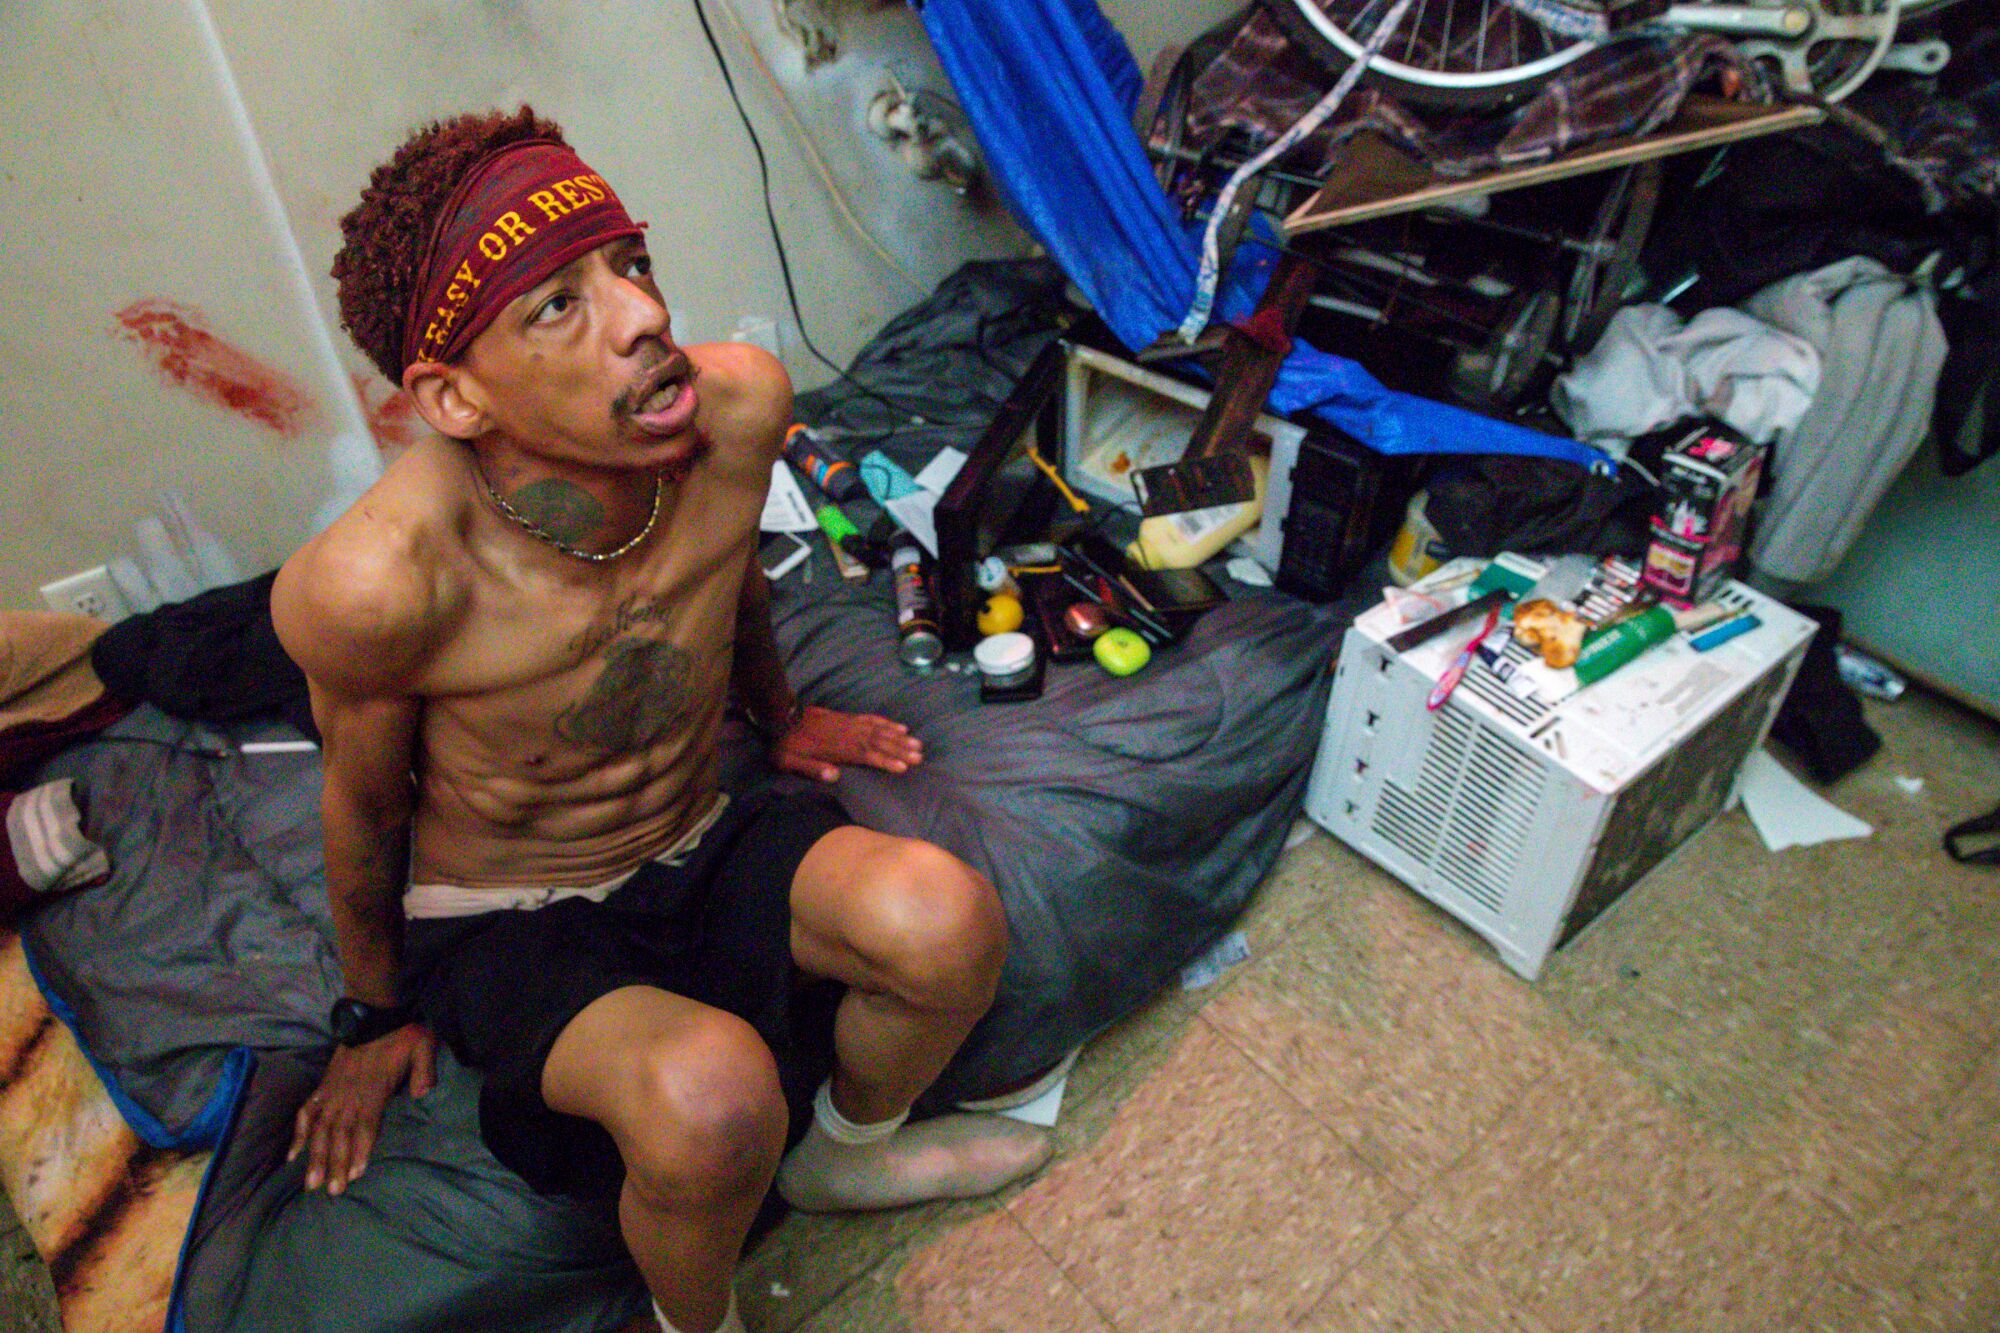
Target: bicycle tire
{"points": [[1334, 49], [1500, 372], [1601, 280]]}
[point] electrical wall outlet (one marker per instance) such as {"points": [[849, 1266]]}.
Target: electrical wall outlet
{"points": [[91, 593]]}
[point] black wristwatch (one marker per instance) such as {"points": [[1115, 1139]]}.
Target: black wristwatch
{"points": [[356, 1022]]}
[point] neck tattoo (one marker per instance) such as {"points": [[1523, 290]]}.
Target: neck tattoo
{"points": [[543, 535]]}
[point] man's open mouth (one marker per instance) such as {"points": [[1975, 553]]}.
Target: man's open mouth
{"points": [[663, 403]]}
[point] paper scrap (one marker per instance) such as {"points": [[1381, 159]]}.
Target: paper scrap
{"points": [[1910, 786], [938, 473], [1302, 830], [1044, 1109], [1786, 813], [785, 507], [914, 513], [1230, 950], [911, 501], [1247, 572]]}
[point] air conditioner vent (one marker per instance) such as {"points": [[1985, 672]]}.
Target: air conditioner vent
{"points": [[1479, 851], [1410, 819]]}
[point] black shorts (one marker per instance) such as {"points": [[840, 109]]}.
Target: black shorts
{"points": [[498, 988]]}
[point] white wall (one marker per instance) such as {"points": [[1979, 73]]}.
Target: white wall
{"points": [[134, 180], [1149, 25], [190, 158]]}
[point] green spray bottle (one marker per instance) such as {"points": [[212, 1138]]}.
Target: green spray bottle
{"points": [[1607, 649]]}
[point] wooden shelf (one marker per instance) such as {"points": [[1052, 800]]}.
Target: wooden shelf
{"points": [[1377, 179]]}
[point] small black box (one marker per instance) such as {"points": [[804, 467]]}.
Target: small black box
{"points": [[999, 496], [1346, 502]]}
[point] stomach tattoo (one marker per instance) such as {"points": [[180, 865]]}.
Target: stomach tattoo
{"points": [[642, 695]]}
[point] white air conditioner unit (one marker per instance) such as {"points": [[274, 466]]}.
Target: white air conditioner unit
{"points": [[1525, 819]]}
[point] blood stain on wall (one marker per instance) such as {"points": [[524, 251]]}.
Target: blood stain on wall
{"points": [[392, 415], [172, 337]]}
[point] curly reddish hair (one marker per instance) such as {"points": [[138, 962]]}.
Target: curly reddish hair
{"points": [[385, 234]]}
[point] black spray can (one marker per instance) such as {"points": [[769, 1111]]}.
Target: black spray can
{"points": [[916, 611], [827, 468]]}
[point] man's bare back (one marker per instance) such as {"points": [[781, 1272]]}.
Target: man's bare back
{"points": [[568, 717]]}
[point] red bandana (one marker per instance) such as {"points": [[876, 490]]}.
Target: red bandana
{"points": [[519, 215]]}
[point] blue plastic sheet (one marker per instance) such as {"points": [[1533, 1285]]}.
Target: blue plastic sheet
{"points": [[1049, 86]]}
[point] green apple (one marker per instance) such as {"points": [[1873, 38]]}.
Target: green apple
{"points": [[1121, 652]]}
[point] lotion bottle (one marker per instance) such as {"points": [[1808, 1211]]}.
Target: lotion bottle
{"points": [[1182, 541]]}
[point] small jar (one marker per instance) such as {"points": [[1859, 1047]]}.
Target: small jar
{"points": [[1005, 660], [992, 576], [1086, 620]]}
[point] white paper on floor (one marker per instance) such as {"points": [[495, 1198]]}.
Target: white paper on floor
{"points": [[1786, 813], [1230, 950], [785, 507], [1043, 1110]]}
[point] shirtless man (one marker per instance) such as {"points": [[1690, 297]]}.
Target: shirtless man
{"points": [[520, 643]]}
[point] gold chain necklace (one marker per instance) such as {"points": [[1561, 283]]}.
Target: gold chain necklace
{"points": [[542, 534]]}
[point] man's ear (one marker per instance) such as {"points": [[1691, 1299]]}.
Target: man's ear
{"points": [[446, 399]]}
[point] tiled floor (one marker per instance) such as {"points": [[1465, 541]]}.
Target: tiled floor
{"points": [[1761, 1094]]}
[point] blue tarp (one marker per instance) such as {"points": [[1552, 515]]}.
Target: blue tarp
{"points": [[1049, 86]]}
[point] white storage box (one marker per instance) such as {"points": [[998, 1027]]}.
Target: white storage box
{"points": [[1525, 819]]}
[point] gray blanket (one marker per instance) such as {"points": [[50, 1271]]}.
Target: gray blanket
{"points": [[1126, 824]]}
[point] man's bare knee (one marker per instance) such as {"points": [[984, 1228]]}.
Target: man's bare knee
{"points": [[702, 1114], [934, 926]]}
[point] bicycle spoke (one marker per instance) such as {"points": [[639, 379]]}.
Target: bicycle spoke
{"points": [[1458, 47], [1416, 26]]}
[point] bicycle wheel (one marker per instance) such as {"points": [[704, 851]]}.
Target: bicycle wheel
{"points": [[1448, 52], [1499, 373], [1607, 263]]}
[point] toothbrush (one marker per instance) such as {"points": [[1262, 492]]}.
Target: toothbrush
{"points": [[1456, 671]]}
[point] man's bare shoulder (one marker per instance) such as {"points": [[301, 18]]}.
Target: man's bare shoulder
{"points": [[748, 397], [364, 606]]}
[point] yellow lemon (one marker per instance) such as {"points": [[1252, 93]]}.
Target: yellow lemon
{"points": [[1001, 613]]}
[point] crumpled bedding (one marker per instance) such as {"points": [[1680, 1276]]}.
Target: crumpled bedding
{"points": [[1126, 824]]}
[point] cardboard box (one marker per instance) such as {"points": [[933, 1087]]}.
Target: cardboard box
{"points": [[1708, 482]]}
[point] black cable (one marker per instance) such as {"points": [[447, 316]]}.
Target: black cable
{"points": [[771, 215]]}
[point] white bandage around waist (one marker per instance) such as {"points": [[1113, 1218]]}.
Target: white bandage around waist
{"points": [[430, 901]]}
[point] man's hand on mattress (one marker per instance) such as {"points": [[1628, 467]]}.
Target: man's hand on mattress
{"points": [[824, 739], [336, 1128]]}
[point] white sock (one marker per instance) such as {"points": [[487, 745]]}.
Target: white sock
{"points": [[842, 1130], [840, 1166], [732, 1322]]}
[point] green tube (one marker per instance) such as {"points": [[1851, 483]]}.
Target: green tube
{"points": [[1605, 650], [835, 524]]}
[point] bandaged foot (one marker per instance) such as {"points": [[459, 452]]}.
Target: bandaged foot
{"points": [[843, 1167]]}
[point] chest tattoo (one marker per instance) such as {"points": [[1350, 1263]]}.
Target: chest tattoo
{"points": [[640, 697], [631, 613]]}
